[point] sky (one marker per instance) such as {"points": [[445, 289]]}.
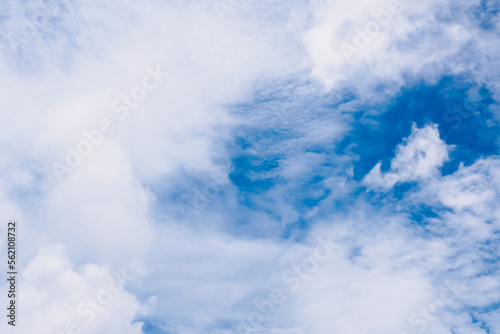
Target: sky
{"points": [[231, 166]]}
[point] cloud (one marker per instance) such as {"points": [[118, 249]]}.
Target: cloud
{"points": [[56, 297], [473, 187], [273, 87], [418, 158], [377, 47]]}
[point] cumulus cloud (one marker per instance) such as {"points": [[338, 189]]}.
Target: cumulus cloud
{"points": [[418, 158], [56, 297]]}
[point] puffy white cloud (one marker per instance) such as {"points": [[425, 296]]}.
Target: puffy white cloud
{"points": [[418, 158], [374, 47], [55, 297]]}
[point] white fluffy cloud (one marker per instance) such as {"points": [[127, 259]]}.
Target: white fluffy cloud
{"points": [[56, 297], [363, 44], [419, 158]]}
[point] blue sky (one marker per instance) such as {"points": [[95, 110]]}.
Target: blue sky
{"points": [[238, 166]]}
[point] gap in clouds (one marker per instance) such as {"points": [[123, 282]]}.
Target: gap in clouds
{"points": [[457, 105], [282, 156], [485, 13], [275, 135], [278, 162]]}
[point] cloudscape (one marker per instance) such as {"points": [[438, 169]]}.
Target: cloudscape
{"points": [[250, 166]]}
